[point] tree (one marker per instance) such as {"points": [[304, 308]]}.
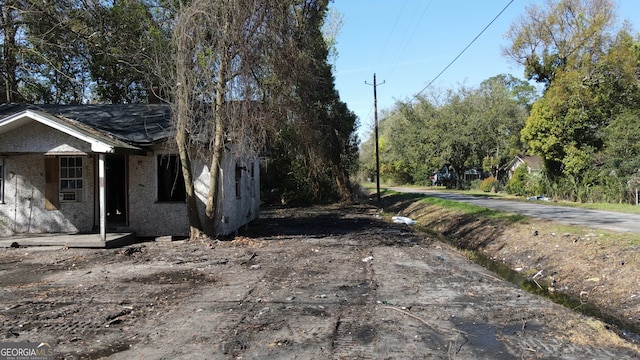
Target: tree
{"points": [[561, 35], [503, 103], [10, 48], [567, 125], [320, 146], [120, 50], [470, 127], [246, 69], [219, 47], [73, 51]]}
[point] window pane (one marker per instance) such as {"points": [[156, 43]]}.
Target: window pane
{"points": [[169, 179], [64, 162], [78, 184]]}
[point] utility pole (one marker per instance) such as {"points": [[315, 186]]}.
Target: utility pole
{"points": [[375, 117]]}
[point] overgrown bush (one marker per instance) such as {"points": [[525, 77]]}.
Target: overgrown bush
{"points": [[520, 183], [489, 184]]}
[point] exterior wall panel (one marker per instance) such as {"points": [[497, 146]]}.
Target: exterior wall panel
{"points": [[24, 210], [147, 216], [38, 138]]}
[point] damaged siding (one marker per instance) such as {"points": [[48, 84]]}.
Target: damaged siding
{"points": [[240, 203], [24, 211], [147, 216]]}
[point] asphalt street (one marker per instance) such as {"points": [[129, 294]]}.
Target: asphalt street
{"points": [[574, 216]]}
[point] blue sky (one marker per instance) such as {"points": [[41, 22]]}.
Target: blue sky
{"points": [[407, 43]]}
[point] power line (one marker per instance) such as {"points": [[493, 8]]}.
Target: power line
{"points": [[382, 51], [463, 50], [405, 44]]}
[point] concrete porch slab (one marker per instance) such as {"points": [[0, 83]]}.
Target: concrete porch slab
{"points": [[70, 240]]}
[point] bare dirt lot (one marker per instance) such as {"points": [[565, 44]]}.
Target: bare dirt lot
{"points": [[331, 282]]}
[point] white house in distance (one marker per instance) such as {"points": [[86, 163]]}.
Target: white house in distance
{"points": [[534, 164], [99, 168]]}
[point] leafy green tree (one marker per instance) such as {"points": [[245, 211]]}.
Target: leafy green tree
{"points": [[503, 104], [567, 125], [40, 52], [622, 148], [560, 35], [467, 128], [11, 45], [119, 50]]}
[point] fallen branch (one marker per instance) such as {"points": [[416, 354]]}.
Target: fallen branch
{"points": [[432, 327], [492, 277]]}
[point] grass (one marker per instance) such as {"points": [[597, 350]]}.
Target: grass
{"points": [[621, 208], [601, 235], [470, 209]]}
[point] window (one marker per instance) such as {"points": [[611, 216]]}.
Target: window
{"points": [[1, 181], [71, 181], [170, 180], [238, 181], [253, 180]]}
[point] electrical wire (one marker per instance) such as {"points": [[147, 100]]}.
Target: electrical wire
{"points": [[463, 50], [405, 44], [382, 51]]}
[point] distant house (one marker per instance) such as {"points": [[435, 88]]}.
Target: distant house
{"points": [[99, 168], [534, 164], [473, 174]]}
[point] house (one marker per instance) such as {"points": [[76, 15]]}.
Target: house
{"points": [[473, 174], [534, 164], [99, 168]]}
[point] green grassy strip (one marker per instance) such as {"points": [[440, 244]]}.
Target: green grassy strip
{"points": [[473, 209]]}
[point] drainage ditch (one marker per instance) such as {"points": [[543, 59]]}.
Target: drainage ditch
{"points": [[624, 328]]}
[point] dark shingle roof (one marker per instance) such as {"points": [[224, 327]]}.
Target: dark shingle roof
{"points": [[138, 124]]}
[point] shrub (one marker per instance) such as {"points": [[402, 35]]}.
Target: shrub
{"points": [[519, 182], [489, 184]]}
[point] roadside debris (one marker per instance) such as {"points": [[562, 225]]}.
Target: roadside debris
{"points": [[539, 198], [403, 220]]}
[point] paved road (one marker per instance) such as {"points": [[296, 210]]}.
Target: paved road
{"points": [[574, 216]]}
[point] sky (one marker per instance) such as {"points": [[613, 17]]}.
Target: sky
{"points": [[407, 43]]}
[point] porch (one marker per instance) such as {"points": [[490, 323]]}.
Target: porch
{"points": [[83, 240]]}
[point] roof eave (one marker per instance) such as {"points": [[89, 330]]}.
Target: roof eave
{"points": [[100, 143]]}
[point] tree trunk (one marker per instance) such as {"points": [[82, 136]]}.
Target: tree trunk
{"points": [[218, 149], [195, 226], [9, 53], [343, 184], [182, 121]]}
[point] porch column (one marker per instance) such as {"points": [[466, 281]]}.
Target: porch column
{"points": [[102, 195]]}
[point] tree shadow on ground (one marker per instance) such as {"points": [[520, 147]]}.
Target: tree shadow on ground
{"points": [[315, 221]]}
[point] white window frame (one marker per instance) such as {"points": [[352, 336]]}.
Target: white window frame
{"points": [[72, 176]]}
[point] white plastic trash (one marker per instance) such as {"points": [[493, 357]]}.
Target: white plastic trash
{"points": [[403, 220]]}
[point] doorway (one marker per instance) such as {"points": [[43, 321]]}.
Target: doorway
{"points": [[116, 190]]}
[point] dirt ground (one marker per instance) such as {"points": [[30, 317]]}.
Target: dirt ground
{"points": [[326, 282]]}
